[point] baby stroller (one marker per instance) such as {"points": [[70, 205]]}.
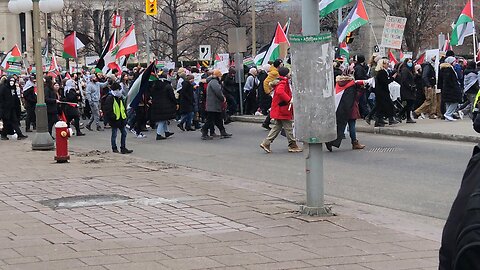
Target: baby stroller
{"points": [[399, 110]]}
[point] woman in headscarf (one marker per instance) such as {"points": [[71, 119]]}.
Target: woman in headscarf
{"points": [[71, 107]]}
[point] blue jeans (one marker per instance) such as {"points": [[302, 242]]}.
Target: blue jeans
{"points": [[451, 108], [352, 129], [162, 127], [187, 118], [131, 117], [123, 137]]}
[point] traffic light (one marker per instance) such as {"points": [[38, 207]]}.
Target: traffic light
{"points": [[349, 38], [151, 7]]}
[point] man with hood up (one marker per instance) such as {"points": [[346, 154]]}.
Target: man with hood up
{"points": [[30, 98], [117, 117], [10, 108], [451, 92], [429, 78]]}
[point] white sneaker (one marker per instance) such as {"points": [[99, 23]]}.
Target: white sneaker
{"points": [[461, 115], [133, 131], [141, 136], [127, 126], [449, 118]]}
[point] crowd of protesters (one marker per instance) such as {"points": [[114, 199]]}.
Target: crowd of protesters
{"points": [[202, 99]]}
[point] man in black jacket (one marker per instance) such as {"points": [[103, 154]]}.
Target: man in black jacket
{"points": [[361, 73], [10, 108]]}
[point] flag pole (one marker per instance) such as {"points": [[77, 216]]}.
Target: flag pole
{"points": [[474, 36]]}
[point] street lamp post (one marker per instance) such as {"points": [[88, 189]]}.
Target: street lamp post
{"points": [[254, 29], [42, 140]]}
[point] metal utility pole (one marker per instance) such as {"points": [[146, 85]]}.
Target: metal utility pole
{"points": [[314, 161], [148, 39], [254, 28], [42, 140]]}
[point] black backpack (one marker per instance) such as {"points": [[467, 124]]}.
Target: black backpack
{"points": [[460, 248]]}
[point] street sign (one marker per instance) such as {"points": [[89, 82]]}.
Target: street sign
{"points": [[237, 40], [151, 7], [205, 53]]}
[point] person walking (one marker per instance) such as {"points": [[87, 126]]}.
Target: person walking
{"points": [[347, 111], [407, 89], [30, 97], [250, 92], [272, 76], [116, 116], [383, 102], [282, 113], [429, 78], [10, 109], [164, 106], [51, 99], [93, 96], [214, 106], [451, 92], [71, 110], [186, 101], [230, 90], [471, 86]]}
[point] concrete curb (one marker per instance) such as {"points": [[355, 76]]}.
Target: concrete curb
{"points": [[386, 131]]}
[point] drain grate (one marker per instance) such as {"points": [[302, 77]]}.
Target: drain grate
{"points": [[383, 149]]}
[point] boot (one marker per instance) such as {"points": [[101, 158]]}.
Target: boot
{"points": [[89, 127], [168, 134], [357, 146], [21, 137], [180, 126], [293, 148], [114, 149], [124, 150], [329, 147], [392, 121], [205, 136], [225, 135]]}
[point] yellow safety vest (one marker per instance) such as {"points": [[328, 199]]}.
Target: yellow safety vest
{"points": [[119, 111]]}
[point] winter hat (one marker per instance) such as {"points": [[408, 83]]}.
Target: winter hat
{"points": [[266, 67], [360, 58], [277, 63], [450, 60], [283, 71], [450, 53]]}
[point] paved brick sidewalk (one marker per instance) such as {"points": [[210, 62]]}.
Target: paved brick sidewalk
{"points": [[178, 218]]}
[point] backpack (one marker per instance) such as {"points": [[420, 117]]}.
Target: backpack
{"points": [[461, 235]]}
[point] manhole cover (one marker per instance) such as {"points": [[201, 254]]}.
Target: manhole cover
{"points": [[85, 201], [383, 149]]}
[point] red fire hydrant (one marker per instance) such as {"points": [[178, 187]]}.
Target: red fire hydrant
{"points": [[61, 141]]}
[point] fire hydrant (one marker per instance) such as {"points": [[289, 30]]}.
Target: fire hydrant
{"points": [[61, 141]]}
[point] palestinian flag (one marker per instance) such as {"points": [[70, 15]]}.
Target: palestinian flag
{"points": [[464, 27], [248, 62], [261, 55], [106, 58], [420, 59], [328, 6], [127, 44], [273, 52], [139, 86], [344, 51], [12, 63], [53, 69], [344, 100], [356, 18], [392, 59], [71, 45]]}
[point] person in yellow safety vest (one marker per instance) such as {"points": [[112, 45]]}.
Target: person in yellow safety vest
{"points": [[117, 117]]}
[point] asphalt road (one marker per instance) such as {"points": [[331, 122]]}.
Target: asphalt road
{"points": [[413, 175]]}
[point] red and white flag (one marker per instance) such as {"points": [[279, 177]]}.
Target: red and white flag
{"points": [[127, 44]]}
